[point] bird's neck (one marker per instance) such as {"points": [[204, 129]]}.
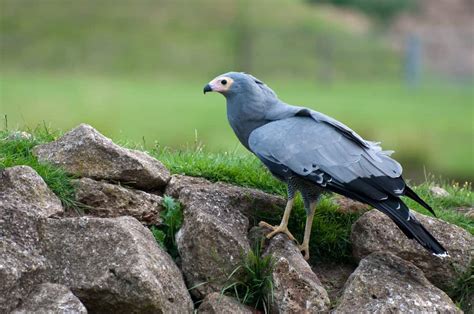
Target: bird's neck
{"points": [[244, 117]]}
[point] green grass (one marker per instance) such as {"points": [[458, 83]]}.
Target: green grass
{"points": [[425, 126], [251, 282], [19, 152], [463, 290]]}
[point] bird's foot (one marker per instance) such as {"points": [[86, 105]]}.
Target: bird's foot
{"points": [[304, 248], [276, 229]]}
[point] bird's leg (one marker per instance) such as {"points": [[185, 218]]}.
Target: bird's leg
{"points": [[304, 247], [283, 227]]}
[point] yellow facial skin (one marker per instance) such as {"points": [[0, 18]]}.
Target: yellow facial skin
{"points": [[221, 84]]}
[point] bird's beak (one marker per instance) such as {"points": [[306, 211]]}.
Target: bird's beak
{"points": [[207, 88]]}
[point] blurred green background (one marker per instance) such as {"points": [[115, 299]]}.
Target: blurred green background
{"points": [[135, 69]]}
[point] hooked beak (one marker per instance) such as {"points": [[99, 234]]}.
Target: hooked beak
{"points": [[207, 88]]}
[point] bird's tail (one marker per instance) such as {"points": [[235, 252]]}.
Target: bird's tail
{"points": [[411, 194], [394, 208], [412, 228]]}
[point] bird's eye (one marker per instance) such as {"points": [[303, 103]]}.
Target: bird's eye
{"points": [[224, 82]]}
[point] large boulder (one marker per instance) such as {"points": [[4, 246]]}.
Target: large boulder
{"points": [[50, 298], [211, 242], [213, 238], [103, 199], [113, 265], [385, 283], [216, 303], [375, 232], [85, 152], [248, 201], [21, 187], [24, 200], [297, 288]]}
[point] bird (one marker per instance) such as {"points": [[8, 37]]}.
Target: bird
{"points": [[313, 153]]}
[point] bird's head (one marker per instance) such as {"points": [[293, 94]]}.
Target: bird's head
{"points": [[232, 84]]}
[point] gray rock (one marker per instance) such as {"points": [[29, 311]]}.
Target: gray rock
{"points": [[113, 265], [346, 205], [246, 200], [374, 232], [439, 192], [110, 200], [333, 276], [24, 200], [385, 283], [21, 262], [51, 298], [22, 188], [85, 152], [19, 135], [212, 240], [215, 303], [297, 288]]}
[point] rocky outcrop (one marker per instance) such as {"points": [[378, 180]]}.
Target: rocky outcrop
{"points": [[216, 303], [85, 152], [113, 265], [296, 288], [24, 200], [211, 242], [50, 298], [385, 283], [22, 188], [247, 201], [102, 199], [375, 232]]}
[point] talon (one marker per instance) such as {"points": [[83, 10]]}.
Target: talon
{"points": [[305, 249], [276, 229]]}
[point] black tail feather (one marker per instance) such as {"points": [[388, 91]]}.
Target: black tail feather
{"points": [[397, 211], [412, 228], [411, 194]]}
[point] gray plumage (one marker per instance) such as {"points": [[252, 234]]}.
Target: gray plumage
{"points": [[321, 152]]}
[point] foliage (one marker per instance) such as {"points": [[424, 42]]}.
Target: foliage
{"points": [[381, 9], [462, 291], [172, 220], [251, 282]]}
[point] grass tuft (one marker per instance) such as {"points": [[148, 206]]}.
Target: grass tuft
{"points": [[251, 282]]}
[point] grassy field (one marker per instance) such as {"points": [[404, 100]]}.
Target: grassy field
{"points": [[430, 127]]}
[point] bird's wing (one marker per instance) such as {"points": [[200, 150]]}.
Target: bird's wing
{"points": [[326, 155], [310, 148]]}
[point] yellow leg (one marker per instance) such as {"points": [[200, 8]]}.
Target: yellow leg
{"points": [[304, 247], [283, 227]]}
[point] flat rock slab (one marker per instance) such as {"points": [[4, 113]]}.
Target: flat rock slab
{"points": [[51, 298], [297, 289], [215, 303], [113, 265], [248, 201], [85, 152], [21, 187], [107, 200], [375, 232], [385, 283]]}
